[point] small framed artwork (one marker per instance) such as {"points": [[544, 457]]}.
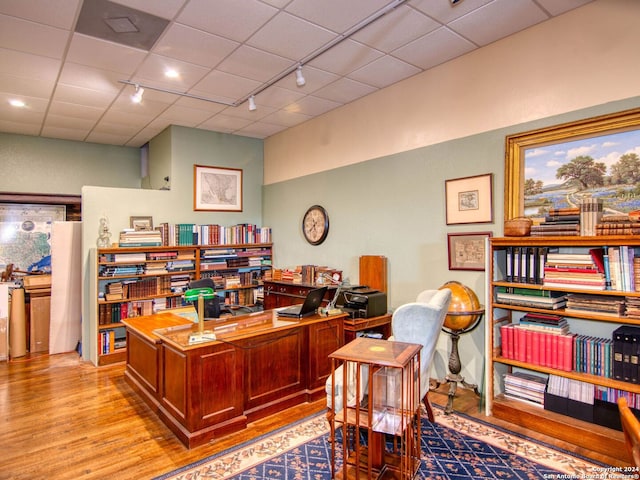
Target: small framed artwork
{"points": [[467, 250], [469, 199], [141, 224], [217, 189]]}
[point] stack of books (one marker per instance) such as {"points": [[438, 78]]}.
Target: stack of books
{"points": [[618, 224], [526, 297], [558, 221], [590, 213], [632, 307], [599, 304], [525, 387], [573, 270], [140, 238]]}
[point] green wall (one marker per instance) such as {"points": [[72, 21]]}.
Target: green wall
{"points": [[394, 206], [45, 165]]}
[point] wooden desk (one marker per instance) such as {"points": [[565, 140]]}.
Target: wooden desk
{"points": [[257, 366], [282, 294]]}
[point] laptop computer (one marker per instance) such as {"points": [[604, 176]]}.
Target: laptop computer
{"points": [[311, 303]]}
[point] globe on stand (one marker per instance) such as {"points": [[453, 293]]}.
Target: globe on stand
{"points": [[464, 315]]}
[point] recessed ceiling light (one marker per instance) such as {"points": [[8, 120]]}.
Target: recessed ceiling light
{"points": [[171, 73], [17, 103]]}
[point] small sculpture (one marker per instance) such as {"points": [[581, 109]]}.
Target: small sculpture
{"points": [[104, 235]]}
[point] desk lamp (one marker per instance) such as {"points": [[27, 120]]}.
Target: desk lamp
{"points": [[200, 294]]}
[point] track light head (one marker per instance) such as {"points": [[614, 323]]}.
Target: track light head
{"points": [[300, 81], [252, 103], [137, 97]]}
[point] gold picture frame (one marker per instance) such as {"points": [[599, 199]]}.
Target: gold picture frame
{"points": [[469, 199], [217, 189], [560, 136]]}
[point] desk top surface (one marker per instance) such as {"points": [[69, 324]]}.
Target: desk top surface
{"points": [[377, 352], [177, 327]]}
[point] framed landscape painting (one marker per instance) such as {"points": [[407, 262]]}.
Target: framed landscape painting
{"points": [[556, 167]]}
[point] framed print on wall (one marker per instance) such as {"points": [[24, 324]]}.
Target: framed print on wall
{"points": [[469, 199], [467, 250], [217, 189], [555, 167]]}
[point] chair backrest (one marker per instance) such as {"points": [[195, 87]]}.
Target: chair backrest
{"points": [[421, 322], [631, 429]]}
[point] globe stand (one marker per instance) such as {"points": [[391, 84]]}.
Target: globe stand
{"points": [[455, 366]]}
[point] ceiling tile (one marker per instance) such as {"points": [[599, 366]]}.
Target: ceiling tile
{"points": [[384, 71], [278, 97], [22, 64], [260, 130], [445, 12], [74, 111], [286, 119], [255, 64], [75, 134], [153, 69], [346, 57], [90, 78], [178, 115], [224, 123], [344, 91], [395, 29], [179, 40], [434, 48], [313, 106], [314, 77], [107, 138], [232, 19], [556, 8], [290, 37], [26, 86], [336, 15], [63, 121], [225, 86], [498, 19], [84, 96], [31, 37], [105, 55], [61, 13], [165, 8]]}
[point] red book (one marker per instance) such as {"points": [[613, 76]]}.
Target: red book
{"points": [[506, 334], [529, 348], [520, 351], [554, 351], [542, 347], [535, 347]]}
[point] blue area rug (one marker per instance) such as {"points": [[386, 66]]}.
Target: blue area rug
{"points": [[455, 447]]}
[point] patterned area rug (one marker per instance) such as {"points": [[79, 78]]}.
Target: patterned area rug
{"points": [[454, 448]]}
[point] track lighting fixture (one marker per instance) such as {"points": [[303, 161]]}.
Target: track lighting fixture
{"points": [[300, 81], [137, 97], [252, 103]]}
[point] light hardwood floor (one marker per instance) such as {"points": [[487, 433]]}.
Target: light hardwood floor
{"points": [[62, 418]]}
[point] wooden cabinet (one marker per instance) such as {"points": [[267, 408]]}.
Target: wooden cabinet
{"points": [[138, 281], [510, 258], [282, 294], [257, 366]]}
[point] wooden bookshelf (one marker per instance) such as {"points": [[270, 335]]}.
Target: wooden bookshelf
{"points": [[595, 436], [138, 281]]}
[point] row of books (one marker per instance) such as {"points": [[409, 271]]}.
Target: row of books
{"points": [[233, 279], [618, 224], [115, 312], [602, 268], [212, 234], [321, 275], [111, 340], [626, 353]]}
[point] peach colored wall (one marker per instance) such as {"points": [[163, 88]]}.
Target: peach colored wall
{"points": [[585, 57]]}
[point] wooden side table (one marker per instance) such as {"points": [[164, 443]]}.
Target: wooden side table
{"points": [[392, 408]]}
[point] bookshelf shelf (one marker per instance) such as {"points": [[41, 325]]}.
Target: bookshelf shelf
{"points": [[141, 281], [599, 433]]}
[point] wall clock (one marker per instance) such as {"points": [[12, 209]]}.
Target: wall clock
{"points": [[315, 225]]}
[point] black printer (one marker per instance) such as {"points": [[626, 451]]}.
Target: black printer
{"points": [[363, 302]]}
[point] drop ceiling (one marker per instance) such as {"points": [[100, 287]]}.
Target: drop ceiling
{"points": [[54, 58]]}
